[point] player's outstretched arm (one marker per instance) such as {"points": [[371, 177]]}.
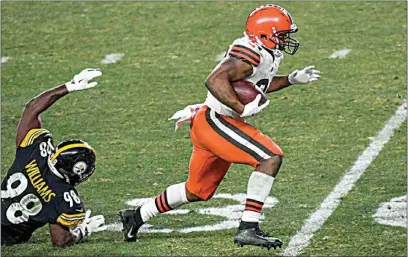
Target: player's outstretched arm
{"points": [[30, 118], [277, 83], [63, 236], [303, 76], [219, 82]]}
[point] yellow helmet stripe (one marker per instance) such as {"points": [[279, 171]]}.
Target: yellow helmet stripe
{"points": [[70, 147]]}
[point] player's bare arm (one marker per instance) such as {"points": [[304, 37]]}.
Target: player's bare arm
{"points": [[30, 118], [63, 236], [278, 83], [303, 76], [219, 82]]}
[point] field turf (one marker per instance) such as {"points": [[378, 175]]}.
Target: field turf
{"points": [[169, 48]]}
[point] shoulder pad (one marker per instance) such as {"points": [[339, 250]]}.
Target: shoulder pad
{"points": [[35, 135], [246, 51]]}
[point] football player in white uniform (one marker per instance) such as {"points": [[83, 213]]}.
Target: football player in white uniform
{"points": [[221, 136]]}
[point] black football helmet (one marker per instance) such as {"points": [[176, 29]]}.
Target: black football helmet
{"points": [[75, 160]]}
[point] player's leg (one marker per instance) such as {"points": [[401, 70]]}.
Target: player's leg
{"points": [[205, 174], [10, 236], [247, 145], [169, 199], [259, 186]]}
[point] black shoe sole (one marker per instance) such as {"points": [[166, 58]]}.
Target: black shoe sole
{"points": [[127, 239], [273, 245]]}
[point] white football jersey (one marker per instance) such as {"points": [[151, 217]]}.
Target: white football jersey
{"points": [[265, 65]]}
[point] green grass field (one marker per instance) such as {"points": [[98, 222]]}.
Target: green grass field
{"points": [[170, 48]]}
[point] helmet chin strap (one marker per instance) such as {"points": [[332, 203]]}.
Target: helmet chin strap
{"points": [[55, 171]]}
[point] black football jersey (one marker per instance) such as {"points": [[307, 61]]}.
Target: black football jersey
{"points": [[32, 195]]}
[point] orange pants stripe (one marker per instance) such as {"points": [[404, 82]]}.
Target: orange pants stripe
{"points": [[219, 141]]}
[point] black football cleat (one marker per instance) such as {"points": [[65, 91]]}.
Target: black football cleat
{"points": [[131, 221], [255, 236]]}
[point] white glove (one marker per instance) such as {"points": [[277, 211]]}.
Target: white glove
{"points": [[90, 225], [252, 108], [306, 75], [185, 115], [80, 81]]}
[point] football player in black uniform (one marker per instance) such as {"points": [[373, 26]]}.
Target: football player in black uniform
{"points": [[39, 187]]}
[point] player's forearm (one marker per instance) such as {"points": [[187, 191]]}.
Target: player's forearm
{"points": [[277, 83], [41, 102], [222, 90], [67, 239], [63, 243]]}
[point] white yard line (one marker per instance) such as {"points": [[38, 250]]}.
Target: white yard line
{"points": [[341, 54], [316, 220], [230, 213], [112, 58], [4, 59]]}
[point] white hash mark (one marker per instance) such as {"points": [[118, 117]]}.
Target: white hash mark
{"points": [[393, 212], [340, 54], [112, 58]]}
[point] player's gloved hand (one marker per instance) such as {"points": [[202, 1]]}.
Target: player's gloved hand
{"points": [[185, 115], [80, 81], [306, 75], [252, 108], [92, 224]]}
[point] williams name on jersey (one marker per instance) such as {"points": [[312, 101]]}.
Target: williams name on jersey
{"points": [[33, 193]]}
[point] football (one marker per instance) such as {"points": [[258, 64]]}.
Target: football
{"points": [[246, 92]]}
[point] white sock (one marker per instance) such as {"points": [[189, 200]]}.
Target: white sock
{"points": [[259, 187], [171, 198], [148, 210]]}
